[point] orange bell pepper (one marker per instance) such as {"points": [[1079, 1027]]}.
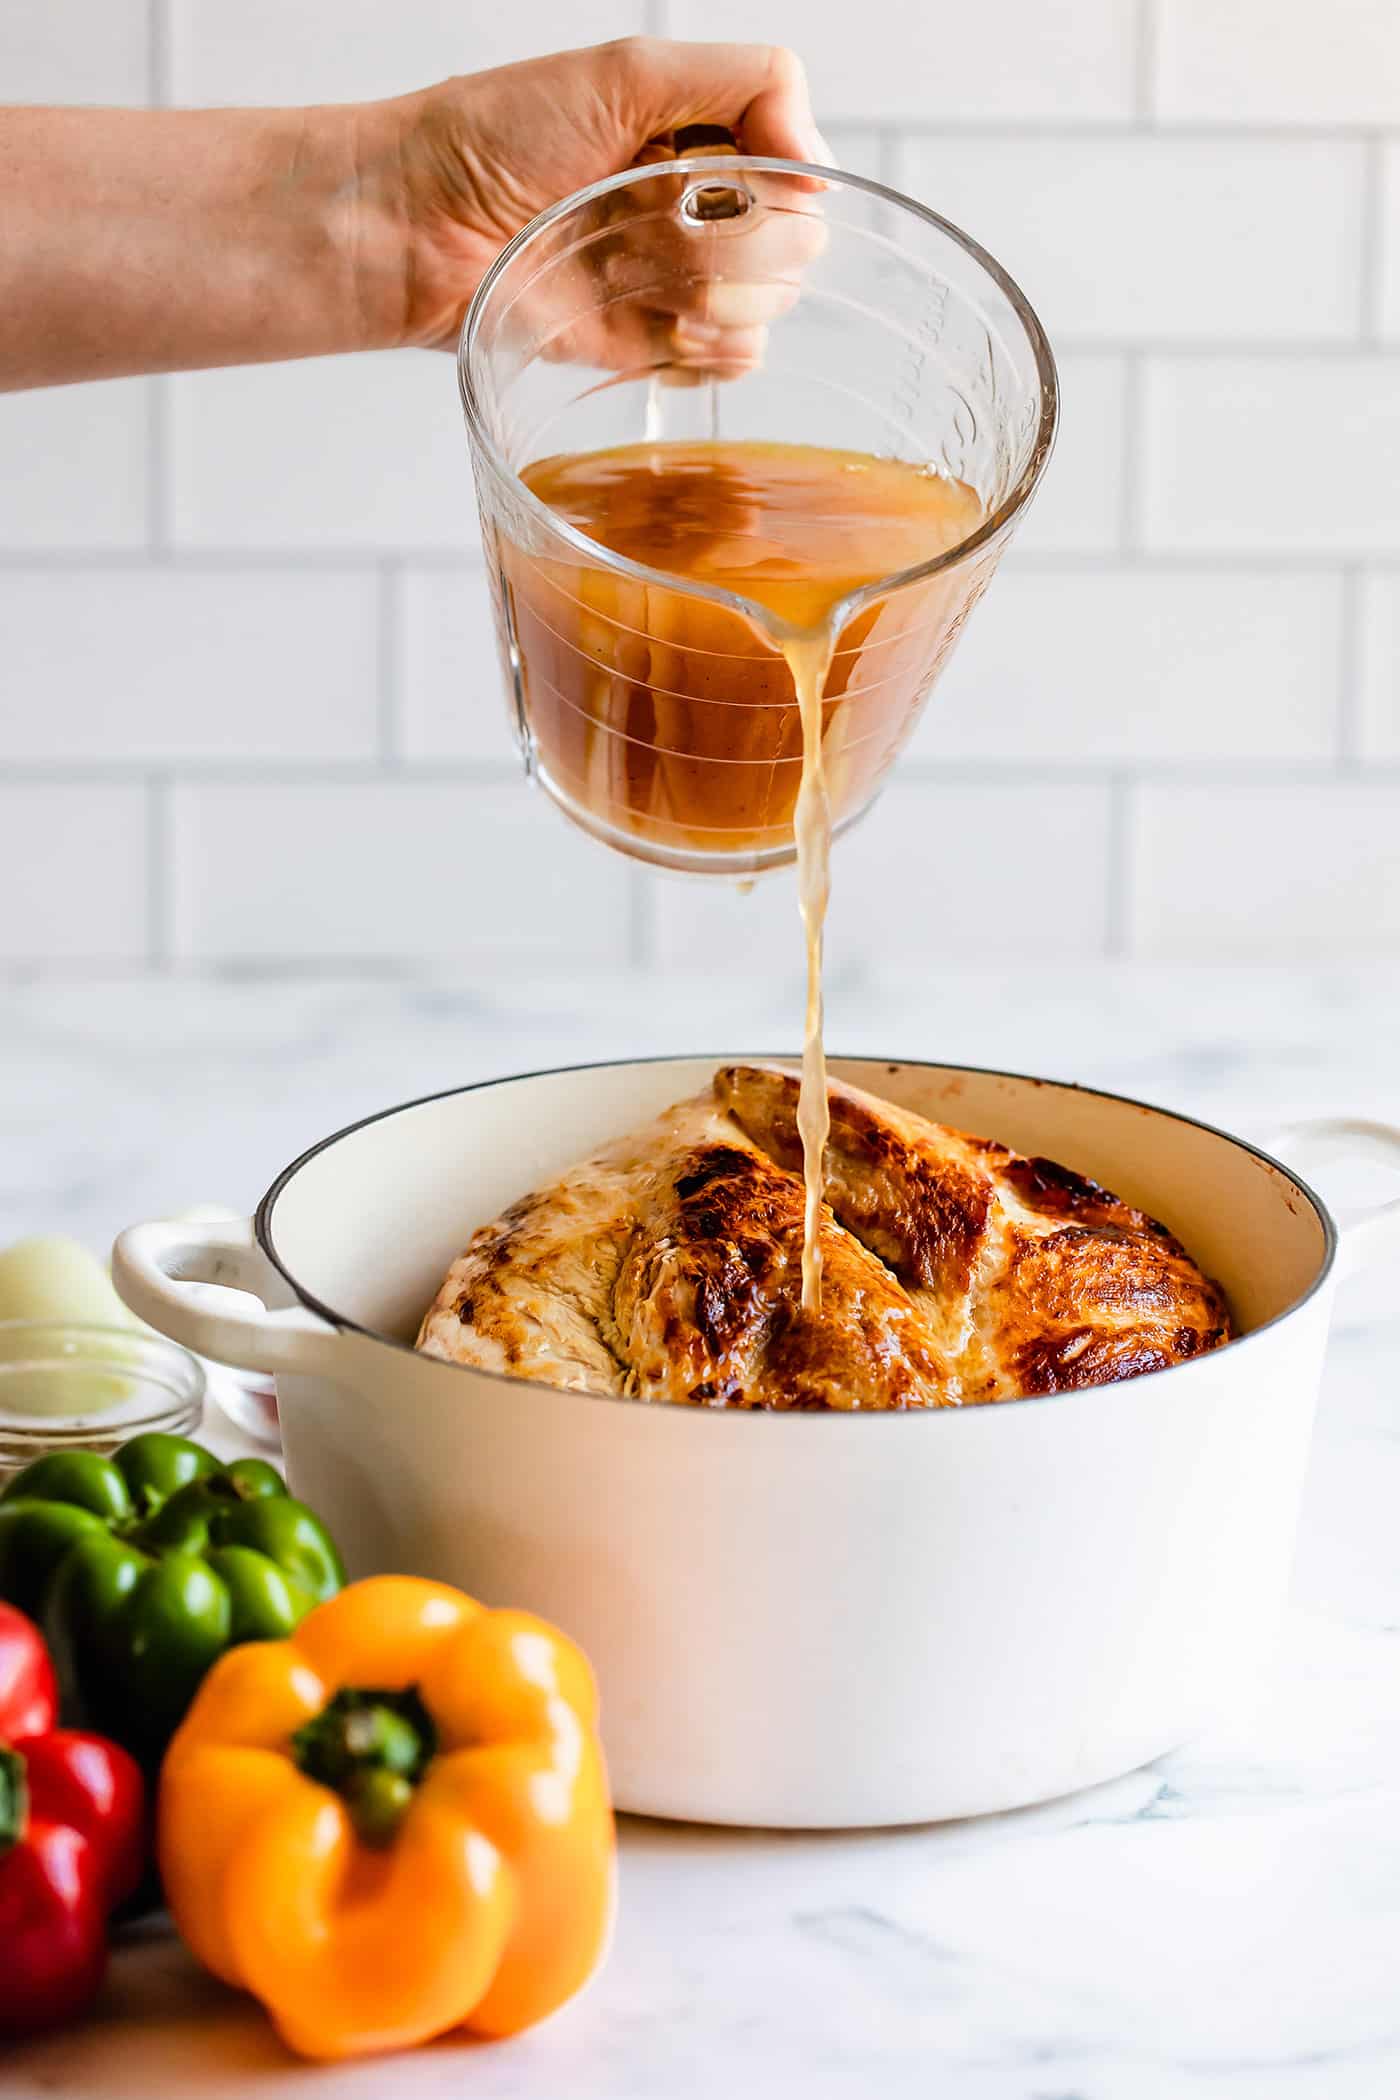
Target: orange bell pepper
{"points": [[395, 1823]]}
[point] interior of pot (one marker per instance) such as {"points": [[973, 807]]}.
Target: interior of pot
{"points": [[365, 1226]]}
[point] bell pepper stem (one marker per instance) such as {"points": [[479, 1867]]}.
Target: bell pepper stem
{"points": [[372, 1748], [14, 1798], [378, 1801]]}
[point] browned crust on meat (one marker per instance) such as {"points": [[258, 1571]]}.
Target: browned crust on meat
{"points": [[709, 1299], [955, 1271], [923, 1216], [1045, 1186], [1085, 1306]]}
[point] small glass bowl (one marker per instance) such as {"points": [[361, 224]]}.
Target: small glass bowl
{"points": [[70, 1387]]}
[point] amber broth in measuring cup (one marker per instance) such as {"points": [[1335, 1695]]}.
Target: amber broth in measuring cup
{"points": [[670, 723], [696, 735]]}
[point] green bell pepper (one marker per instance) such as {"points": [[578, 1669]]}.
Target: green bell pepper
{"points": [[144, 1567]]}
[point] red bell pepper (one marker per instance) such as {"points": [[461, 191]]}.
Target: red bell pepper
{"points": [[72, 1840]]}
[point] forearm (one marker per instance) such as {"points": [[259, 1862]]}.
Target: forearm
{"points": [[158, 240]]}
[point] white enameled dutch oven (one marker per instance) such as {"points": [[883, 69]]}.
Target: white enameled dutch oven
{"points": [[801, 1620]]}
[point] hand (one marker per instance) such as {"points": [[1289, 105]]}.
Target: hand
{"points": [[162, 240], [448, 176]]}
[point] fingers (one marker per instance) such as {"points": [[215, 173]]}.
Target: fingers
{"points": [[653, 248], [747, 302], [714, 288], [719, 290], [661, 289], [779, 120], [698, 350], [757, 91]]}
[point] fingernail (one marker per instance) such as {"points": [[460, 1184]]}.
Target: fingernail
{"points": [[693, 334], [737, 305]]}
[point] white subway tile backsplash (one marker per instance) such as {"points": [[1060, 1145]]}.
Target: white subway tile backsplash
{"points": [[359, 50], [56, 51], [1388, 265], [856, 150], [1306, 871], [1379, 657], [925, 846], [451, 696], [698, 918], [329, 455], [73, 468], [1158, 238], [1141, 665], [266, 585], [1259, 62], [73, 872], [392, 872], [161, 665], [1273, 455], [889, 61], [1078, 508]]}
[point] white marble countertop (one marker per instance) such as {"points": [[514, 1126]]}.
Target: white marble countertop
{"points": [[1224, 1922]]}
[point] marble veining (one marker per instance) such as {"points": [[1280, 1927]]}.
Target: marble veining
{"points": [[1224, 1922]]}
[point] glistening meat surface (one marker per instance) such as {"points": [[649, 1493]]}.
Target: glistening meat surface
{"points": [[669, 1267]]}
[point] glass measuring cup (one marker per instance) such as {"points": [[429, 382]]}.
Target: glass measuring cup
{"points": [[660, 712]]}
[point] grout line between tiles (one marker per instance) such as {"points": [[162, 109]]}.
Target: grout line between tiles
{"points": [[1205, 560], [159, 873], [1189, 132], [159, 506], [1207, 557], [1372, 243], [1128, 869], [158, 81], [1148, 44], [1350, 731], [642, 922], [1134, 437], [1266, 350], [268, 772], [252, 559], [1206, 769], [1118, 899], [389, 609], [376, 967]]}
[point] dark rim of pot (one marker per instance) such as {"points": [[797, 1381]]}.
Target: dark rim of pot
{"points": [[262, 1225]]}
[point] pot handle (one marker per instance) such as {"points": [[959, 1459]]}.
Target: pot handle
{"points": [[1372, 1233], [153, 1264]]}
